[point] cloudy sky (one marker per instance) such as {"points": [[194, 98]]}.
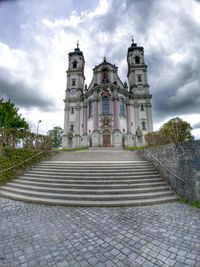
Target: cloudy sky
{"points": [[37, 35]]}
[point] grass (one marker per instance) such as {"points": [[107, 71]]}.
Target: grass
{"points": [[134, 148], [194, 203], [12, 156], [73, 149]]}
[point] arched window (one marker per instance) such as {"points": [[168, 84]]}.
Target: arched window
{"points": [[74, 64], [74, 82], [90, 108], [122, 107], [105, 105], [143, 125], [72, 128], [142, 107], [137, 60], [139, 77]]}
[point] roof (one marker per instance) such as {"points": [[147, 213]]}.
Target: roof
{"points": [[104, 63]]}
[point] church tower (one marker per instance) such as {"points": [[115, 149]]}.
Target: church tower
{"points": [[108, 112], [139, 92], [73, 99]]}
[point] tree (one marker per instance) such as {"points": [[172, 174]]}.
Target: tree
{"points": [[174, 131], [177, 130], [56, 136], [9, 117]]}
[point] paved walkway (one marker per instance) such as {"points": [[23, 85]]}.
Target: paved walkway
{"points": [[98, 154], [38, 235]]}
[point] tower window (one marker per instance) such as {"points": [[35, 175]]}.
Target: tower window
{"points": [[105, 105], [71, 128], [143, 125], [137, 60], [74, 65], [122, 108], [142, 107], [72, 110], [74, 82], [139, 77], [90, 108]]}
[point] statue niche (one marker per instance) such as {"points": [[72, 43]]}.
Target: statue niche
{"points": [[105, 76]]}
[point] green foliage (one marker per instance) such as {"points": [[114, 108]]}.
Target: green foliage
{"points": [[73, 149], [56, 136], [9, 117], [12, 137], [194, 203], [174, 131], [11, 157], [134, 148]]}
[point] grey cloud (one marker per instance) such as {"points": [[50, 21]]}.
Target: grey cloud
{"points": [[196, 125], [179, 95], [22, 94]]}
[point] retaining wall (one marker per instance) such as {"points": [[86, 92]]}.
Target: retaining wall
{"points": [[183, 160]]}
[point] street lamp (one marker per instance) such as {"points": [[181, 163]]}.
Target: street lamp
{"points": [[38, 126]]}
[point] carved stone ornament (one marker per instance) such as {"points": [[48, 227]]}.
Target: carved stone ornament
{"points": [[106, 122], [106, 92]]}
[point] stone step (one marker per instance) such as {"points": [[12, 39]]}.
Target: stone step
{"points": [[89, 203], [91, 175], [87, 197], [92, 181], [67, 190], [93, 168], [54, 184], [97, 163]]}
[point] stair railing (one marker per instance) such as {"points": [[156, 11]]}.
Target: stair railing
{"points": [[19, 164], [187, 185]]}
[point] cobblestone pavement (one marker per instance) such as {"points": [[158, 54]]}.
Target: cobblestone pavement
{"points": [[39, 235]]}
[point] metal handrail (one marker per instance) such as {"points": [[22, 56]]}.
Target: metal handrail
{"points": [[16, 165], [178, 177]]}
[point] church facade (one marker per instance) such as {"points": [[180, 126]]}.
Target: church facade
{"points": [[108, 112]]}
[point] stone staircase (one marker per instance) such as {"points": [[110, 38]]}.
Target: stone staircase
{"points": [[90, 183]]}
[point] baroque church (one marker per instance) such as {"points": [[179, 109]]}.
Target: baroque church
{"points": [[108, 112]]}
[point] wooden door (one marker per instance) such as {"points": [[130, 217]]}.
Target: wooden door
{"points": [[106, 138]]}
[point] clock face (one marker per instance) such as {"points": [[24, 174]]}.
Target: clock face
{"points": [[73, 91], [140, 87]]}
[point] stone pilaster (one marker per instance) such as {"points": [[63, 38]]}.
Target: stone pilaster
{"points": [[77, 131], [116, 114], [128, 112], [149, 117], [96, 115], [66, 118], [136, 114], [85, 119]]}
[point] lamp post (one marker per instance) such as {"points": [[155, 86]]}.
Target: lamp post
{"points": [[38, 126], [37, 133]]}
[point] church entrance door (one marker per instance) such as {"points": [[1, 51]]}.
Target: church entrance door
{"points": [[106, 138]]}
